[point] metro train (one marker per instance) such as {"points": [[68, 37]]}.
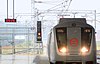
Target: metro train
{"points": [[72, 41]]}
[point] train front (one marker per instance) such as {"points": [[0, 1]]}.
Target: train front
{"points": [[75, 43]]}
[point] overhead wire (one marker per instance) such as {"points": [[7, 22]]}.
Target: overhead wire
{"points": [[65, 7], [56, 6]]}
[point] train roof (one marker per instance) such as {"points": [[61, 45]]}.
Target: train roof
{"points": [[72, 22], [69, 20]]}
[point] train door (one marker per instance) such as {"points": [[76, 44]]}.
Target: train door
{"points": [[74, 40]]}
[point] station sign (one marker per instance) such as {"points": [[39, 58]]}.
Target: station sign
{"points": [[10, 20]]}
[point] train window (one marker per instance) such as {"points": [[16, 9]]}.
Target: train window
{"points": [[86, 35], [61, 36]]}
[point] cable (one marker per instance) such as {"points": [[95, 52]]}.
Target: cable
{"points": [[55, 6], [67, 4], [61, 8]]}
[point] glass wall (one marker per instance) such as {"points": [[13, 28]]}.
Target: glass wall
{"points": [[16, 40]]}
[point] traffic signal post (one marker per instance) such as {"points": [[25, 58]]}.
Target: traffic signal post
{"points": [[39, 38]]}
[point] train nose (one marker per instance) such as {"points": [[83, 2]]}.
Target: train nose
{"points": [[59, 62], [87, 62]]}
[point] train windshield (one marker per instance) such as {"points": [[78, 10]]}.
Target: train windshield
{"points": [[61, 36], [86, 36]]}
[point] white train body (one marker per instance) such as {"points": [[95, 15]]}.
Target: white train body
{"points": [[72, 41]]}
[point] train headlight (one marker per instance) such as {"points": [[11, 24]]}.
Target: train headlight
{"points": [[63, 50], [84, 50]]}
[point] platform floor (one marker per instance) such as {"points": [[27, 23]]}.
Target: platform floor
{"points": [[23, 59], [26, 59]]}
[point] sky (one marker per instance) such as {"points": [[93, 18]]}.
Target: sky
{"points": [[24, 6], [85, 5]]}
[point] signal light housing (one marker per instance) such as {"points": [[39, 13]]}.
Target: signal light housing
{"points": [[39, 32]]}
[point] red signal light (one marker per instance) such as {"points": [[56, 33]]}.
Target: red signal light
{"points": [[39, 34]]}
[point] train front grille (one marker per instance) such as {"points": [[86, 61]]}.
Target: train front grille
{"points": [[74, 63], [74, 40], [60, 62], [75, 53]]}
